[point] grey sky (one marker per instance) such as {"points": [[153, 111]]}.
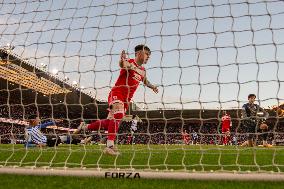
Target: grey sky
{"points": [[209, 53]]}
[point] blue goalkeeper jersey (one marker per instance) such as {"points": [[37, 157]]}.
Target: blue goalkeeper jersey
{"points": [[35, 135]]}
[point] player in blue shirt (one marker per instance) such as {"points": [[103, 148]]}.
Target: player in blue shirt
{"points": [[33, 134]]}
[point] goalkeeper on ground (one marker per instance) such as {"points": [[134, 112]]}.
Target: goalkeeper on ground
{"points": [[253, 117]]}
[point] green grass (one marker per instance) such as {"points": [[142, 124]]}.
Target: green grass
{"points": [[50, 182], [161, 157]]}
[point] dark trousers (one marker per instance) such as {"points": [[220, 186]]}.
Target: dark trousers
{"points": [[252, 129]]}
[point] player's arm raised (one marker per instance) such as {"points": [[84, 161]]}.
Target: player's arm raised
{"points": [[123, 62]]}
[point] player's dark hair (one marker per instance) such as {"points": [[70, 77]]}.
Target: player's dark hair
{"points": [[251, 95], [141, 47]]}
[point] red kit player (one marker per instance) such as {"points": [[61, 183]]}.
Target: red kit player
{"points": [[131, 74], [226, 124], [185, 137]]}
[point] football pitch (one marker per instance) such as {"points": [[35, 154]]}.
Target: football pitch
{"points": [[50, 182], [189, 158], [150, 157]]}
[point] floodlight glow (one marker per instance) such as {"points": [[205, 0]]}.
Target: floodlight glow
{"points": [[10, 47], [54, 71]]}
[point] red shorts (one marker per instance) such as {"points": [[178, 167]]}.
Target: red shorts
{"points": [[225, 129], [117, 96], [186, 139]]}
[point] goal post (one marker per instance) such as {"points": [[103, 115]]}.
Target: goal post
{"points": [[59, 60], [130, 174]]}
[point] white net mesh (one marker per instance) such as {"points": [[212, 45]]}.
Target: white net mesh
{"points": [[59, 60]]}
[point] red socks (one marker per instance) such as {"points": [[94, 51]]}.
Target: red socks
{"points": [[114, 125]]}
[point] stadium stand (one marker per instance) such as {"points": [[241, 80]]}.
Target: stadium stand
{"points": [[27, 86], [25, 89]]}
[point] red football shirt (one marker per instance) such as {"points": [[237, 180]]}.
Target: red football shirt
{"points": [[129, 80], [226, 121]]}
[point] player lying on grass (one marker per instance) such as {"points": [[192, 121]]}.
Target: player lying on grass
{"points": [[33, 134], [131, 74]]}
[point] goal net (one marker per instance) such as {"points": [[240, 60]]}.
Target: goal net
{"points": [[59, 60]]}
